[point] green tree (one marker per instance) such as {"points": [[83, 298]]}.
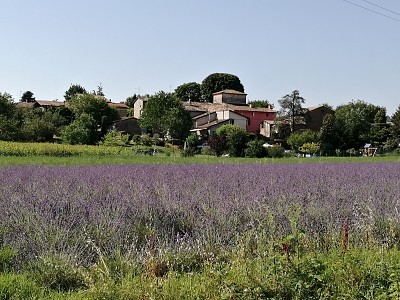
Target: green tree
{"points": [[165, 115], [255, 148], [99, 91], [41, 126], [96, 107], [179, 123], [217, 82], [74, 89], [236, 139], [7, 105], [395, 128], [130, 101], [353, 123], [291, 107], [9, 123], [27, 97], [260, 103], [380, 130], [9, 129], [189, 91], [82, 131], [330, 138], [298, 139]]}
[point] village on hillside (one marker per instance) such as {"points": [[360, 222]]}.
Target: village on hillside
{"points": [[202, 113]]}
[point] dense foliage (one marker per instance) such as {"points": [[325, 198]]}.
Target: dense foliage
{"points": [[217, 82], [188, 91], [73, 91], [96, 107], [27, 97], [298, 139], [165, 115]]}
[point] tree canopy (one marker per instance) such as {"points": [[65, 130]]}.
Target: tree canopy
{"points": [[353, 125], [94, 106], [189, 91], [7, 105], [217, 82], [81, 131], [236, 139], [298, 139], [74, 89], [9, 126], [395, 119], [27, 97], [164, 114], [291, 107]]}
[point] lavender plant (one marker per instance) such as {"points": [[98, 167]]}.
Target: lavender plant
{"points": [[92, 211]]}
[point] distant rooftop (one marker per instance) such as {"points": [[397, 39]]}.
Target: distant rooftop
{"points": [[229, 92]]}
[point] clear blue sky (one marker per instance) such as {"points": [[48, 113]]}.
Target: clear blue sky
{"points": [[330, 50]]}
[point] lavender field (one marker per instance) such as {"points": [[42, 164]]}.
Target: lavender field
{"points": [[80, 211]]}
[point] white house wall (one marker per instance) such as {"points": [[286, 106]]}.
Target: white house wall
{"points": [[238, 120]]}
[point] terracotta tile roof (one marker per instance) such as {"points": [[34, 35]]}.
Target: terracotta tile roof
{"points": [[117, 105], [229, 92], [211, 107], [208, 125], [202, 115], [50, 103], [26, 104]]}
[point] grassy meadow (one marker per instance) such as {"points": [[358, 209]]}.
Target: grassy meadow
{"points": [[101, 224]]}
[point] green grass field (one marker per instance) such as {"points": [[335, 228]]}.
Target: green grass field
{"points": [[13, 153], [173, 159]]}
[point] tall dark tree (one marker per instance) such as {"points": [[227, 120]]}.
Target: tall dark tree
{"points": [[27, 97], [189, 91], [99, 91], [394, 131], [130, 101], [395, 119], [380, 131], [164, 114], [217, 82], [329, 135], [291, 107], [74, 89]]}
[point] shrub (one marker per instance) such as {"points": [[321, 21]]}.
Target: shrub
{"points": [[275, 152], [255, 149], [7, 257], [82, 131], [115, 138], [217, 144], [188, 151], [146, 140], [13, 286], [58, 272]]}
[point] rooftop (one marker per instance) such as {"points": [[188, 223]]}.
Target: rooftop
{"points": [[229, 92]]}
